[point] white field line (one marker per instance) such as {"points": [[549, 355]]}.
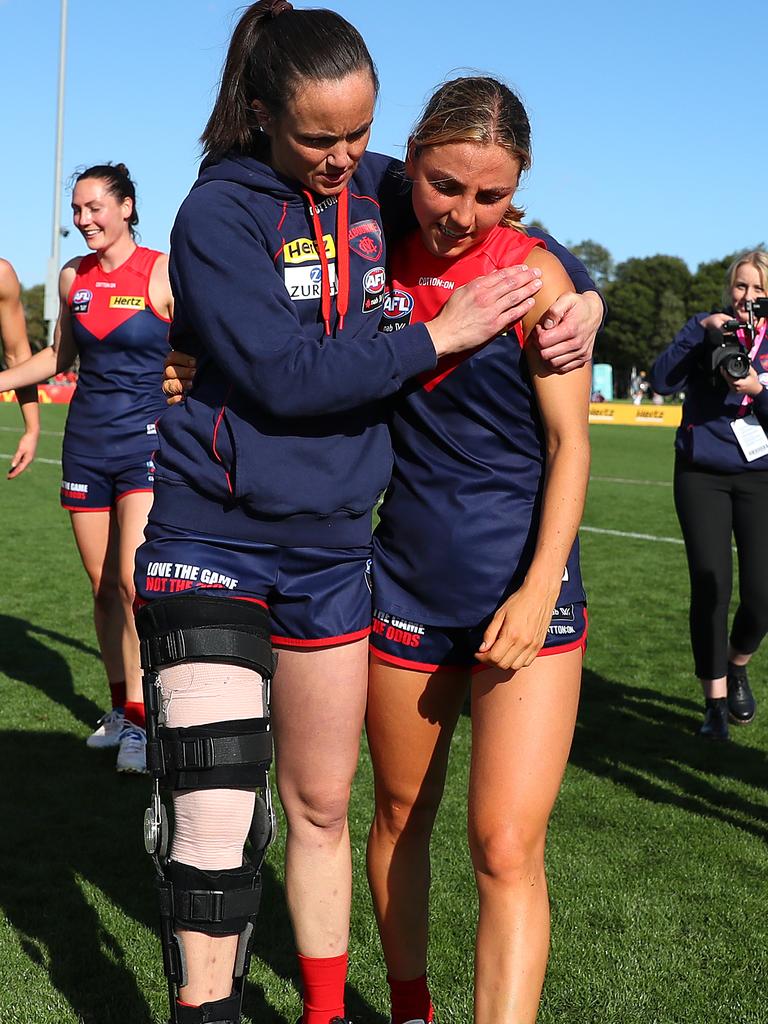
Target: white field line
{"points": [[48, 462], [626, 480], [20, 430], [582, 529], [631, 536]]}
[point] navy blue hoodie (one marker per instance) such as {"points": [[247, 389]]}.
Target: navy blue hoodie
{"points": [[283, 437], [705, 437]]}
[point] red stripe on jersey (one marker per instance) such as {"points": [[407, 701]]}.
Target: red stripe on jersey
{"points": [[431, 280]]}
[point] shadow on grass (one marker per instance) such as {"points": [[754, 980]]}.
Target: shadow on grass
{"points": [[645, 741], [25, 656], [71, 825]]}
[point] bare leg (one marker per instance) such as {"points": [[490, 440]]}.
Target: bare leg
{"points": [[132, 512], [97, 543], [522, 727], [318, 703], [410, 721]]}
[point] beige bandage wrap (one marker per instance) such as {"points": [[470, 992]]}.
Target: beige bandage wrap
{"points": [[211, 825]]}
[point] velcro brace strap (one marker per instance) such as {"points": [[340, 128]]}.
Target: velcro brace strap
{"points": [[197, 627], [208, 643], [201, 906], [212, 902], [220, 755]]}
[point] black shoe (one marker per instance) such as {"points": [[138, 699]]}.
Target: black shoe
{"points": [[741, 703], [715, 724]]}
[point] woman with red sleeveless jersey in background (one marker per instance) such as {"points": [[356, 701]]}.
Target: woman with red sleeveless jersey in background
{"points": [[475, 547], [115, 312]]}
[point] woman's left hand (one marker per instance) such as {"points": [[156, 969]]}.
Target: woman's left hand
{"points": [[749, 385], [25, 453], [517, 631], [566, 337]]}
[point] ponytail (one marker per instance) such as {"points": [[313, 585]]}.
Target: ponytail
{"points": [[275, 48]]}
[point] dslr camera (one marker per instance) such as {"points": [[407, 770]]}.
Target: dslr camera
{"points": [[724, 349]]}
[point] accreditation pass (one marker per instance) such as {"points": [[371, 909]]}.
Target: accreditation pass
{"points": [[751, 437]]}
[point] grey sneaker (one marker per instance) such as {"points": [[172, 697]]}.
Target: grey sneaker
{"points": [[132, 755], [108, 729]]}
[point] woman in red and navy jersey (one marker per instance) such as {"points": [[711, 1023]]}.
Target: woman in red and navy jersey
{"points": [[475, 569], [115, 313]]}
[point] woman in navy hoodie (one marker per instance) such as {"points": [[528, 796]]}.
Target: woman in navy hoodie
{"points": [[266, 478], [721, 488]]}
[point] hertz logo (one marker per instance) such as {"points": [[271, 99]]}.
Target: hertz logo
{"points": [[126, 302], [302, 249]]}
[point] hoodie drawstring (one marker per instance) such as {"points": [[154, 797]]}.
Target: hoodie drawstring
{"points": [[342, 261]]}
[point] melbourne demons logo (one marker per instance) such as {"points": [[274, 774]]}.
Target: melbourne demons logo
{"points": [[366, 240], [81, 300], [398, 306]]}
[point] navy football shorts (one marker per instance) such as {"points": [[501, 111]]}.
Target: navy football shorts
{"points": [[316, 597], [424, 648], [97, 484]]}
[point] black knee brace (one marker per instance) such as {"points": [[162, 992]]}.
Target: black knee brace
{"points": [[219, 755]]}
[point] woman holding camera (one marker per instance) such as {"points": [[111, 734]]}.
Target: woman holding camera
{"points": [[721, 484]]}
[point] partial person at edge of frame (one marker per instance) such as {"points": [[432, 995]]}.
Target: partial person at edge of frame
{"points": [[267, 476], [721, 486], [475, 547], [13, 335], [115, 310]]}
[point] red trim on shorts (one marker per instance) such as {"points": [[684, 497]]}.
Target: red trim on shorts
{"points": [[136, 490], [79, 508], [564, 648], [417, 666], [240, 597], [420, 666], [139, 602], [327, 641]]}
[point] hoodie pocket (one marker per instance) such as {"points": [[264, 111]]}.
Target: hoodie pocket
{"points": [[223, 449]]}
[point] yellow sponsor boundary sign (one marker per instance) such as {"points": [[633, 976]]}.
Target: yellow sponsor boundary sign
{"points": [[635, 415]]}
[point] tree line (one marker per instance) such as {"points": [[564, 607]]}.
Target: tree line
{"points": [[649, 299]]}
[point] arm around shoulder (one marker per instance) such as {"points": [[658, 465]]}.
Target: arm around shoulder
{"points": [[231, 296]]}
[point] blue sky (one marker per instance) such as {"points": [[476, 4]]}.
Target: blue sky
{"points": [[650, 127]]}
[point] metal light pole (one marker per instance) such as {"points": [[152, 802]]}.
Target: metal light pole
{"points": [[51, 297]]}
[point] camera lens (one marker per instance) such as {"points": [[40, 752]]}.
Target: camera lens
{"points": [[737, 365]]}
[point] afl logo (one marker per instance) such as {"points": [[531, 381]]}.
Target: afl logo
{"points": [[398, 305], [81, 300], [373, 282], [373, 289]]}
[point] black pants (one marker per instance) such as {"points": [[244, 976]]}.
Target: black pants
{"points": [[711, 506]]}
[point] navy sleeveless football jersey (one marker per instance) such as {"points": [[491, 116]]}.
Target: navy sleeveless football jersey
{"points": [[459, 521]]}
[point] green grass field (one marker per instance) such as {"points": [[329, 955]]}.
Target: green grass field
{"points": [[657, 852]]}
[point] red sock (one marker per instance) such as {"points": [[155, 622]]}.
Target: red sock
{"points": [[134, 712], [410, 1000], [118, 693], [323, 980]]}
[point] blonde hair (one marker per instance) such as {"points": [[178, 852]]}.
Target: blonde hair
{"points": [[481, 110], [757, 258]]}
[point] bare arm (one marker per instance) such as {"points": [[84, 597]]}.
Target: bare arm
{"points": [[13, 331], [519, 627], [49, 361], [160, 287]]}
